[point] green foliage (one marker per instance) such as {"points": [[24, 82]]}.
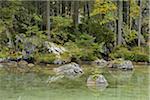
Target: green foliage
{"points": [[46, 58], [3, 55], [60, 23], [84, 48], [103, 7], [129, 35], [105, 11], [136, 54], [59, 32], [134, 9]]}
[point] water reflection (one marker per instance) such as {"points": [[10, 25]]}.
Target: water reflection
{"points": [[122, 77], [123, 85]]}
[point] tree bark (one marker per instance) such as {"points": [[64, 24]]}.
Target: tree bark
{"points": [[48, 19], [139, 26], [76, 14], [120, 5], [63, 8]]}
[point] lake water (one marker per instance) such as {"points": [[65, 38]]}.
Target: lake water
{"points": [[123, 85]]}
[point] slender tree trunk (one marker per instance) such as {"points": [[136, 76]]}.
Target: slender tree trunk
{"points": [[88, 9], [58, 8], [120, 5], [139, 26], [76, 14], [63, 8], [48, 19]]}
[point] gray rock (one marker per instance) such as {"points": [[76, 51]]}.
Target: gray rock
{"points": [[31, 65], [54, 78], [123, 64], [11, 64], [100, 81], [71, 70], [127, 65], [53, 48], [1, 66], [100, 63], [2, 59], [22, 63], [59, 62]]}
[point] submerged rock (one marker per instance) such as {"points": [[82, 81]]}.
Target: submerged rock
{"points": [[1, 66], [98, 81], [71, 70], [123, 64], [97, 84], [54, 78], [100, 63], [31, 65], [2, 60], [11, 64], [22, 63]]}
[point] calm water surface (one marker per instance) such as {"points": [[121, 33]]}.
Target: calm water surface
{"points": [[126, 85]]}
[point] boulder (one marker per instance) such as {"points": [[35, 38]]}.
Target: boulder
{"points": [[123, 64], [53, 48], [54, 78], [99, 81], [1, 66], [100, 63], [30, 65], [2, 59], [71, 70], [11, 64], [22, 63], [59, 62]]}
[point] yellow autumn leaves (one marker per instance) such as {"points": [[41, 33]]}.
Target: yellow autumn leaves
{"points": [[103, 7]]}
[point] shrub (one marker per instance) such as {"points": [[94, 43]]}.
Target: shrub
{"points": [[137, 54], [84, 48], [44, 58]]}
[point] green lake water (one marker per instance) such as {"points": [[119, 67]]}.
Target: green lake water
{"points": [[123, 85]]}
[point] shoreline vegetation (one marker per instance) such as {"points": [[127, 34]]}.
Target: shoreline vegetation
{"points": [[108, 33], [66, 47]]}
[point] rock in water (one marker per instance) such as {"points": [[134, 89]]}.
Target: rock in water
{"points": [[123, 64], [127, 65], [99, 81], [23, 64], [1, 66], [100, 63], [54, 78], [97, 84], [31, 65], [71, 70]]}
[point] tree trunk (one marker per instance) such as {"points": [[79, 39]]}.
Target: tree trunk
{"points": [[48, 19], [120, 5], [76, 14], [63, 8], [139, 26]]}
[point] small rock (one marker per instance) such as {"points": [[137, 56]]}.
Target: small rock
{"points": [[54, 78], [123, 64], [2, 59], [23, 63], [1, 66], [11, 64], [30, 65], [71, 70], [58, 62], [99, 81], [100, 63]]}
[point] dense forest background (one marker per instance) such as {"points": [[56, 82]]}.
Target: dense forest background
{"points": [[107, 29]]}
